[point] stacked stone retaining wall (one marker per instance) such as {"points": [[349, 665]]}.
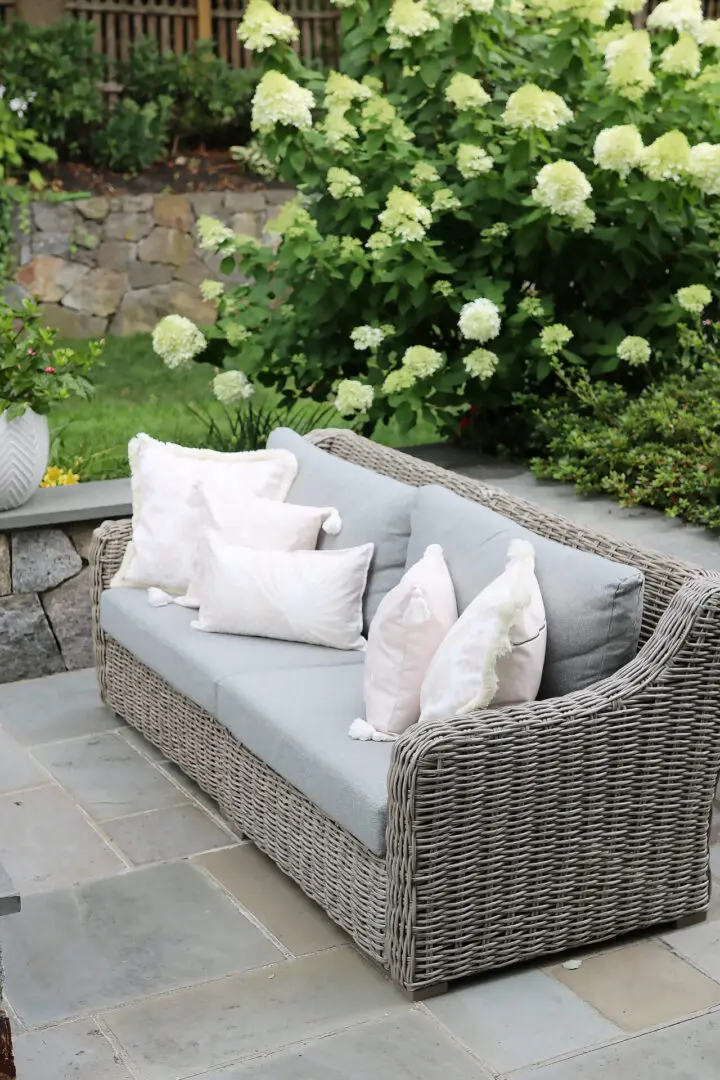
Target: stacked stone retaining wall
{"points": [[115, 265]]}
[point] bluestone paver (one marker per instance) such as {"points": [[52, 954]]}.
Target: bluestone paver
{"points": [[57, 707], [17, 768], [514, 1020], [700, 945], [46, 843], [144, 932], [108, 777], [160, 835], [408, 1047], [77, 1051], [687, 1051], [194, 1030]]}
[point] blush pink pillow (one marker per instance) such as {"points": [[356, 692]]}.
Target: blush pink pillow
{"points": [[409, 626]]}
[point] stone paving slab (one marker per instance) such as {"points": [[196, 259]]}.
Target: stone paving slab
{"points": [[74, 951], [272, 897], [160, 835], [192, 1030], [77, 1051], [46, 843], [17, 769], [515, 1020], [410, 1047], [57, 707], [107, 777], [687, 1051]]}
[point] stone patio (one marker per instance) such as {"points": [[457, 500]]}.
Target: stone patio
{"points": [[154, 945]]}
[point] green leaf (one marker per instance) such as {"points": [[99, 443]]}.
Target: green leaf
{"points": [[356, 277]]}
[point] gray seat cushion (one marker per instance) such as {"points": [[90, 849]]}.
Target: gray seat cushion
{"points": [[298, 725], [194, 662], [593, 605], [374, 509]]}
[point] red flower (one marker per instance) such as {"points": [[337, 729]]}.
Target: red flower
{"points": [[49, 370]]}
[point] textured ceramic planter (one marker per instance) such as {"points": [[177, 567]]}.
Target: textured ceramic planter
{"points": [[24, 454]]}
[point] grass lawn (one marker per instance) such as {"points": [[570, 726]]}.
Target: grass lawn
{"points": [[135, 392]]}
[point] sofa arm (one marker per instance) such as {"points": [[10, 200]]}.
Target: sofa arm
{"points": [[106, 554], [528, 830]]}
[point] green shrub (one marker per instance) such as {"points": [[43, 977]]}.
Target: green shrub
{"points": [[660, 449], [57, 69], [133, 135], [474, 159], [211, 100]]}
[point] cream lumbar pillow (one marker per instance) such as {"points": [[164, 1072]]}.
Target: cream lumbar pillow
{"points": [[409, 626], [310, 596], [258, 523], [494, 654], [167, 523]]}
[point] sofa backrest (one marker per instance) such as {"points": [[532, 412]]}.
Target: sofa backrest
{"points": [[663, 574]]}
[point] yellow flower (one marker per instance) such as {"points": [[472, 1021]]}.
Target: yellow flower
{"points": [[57, 477]]}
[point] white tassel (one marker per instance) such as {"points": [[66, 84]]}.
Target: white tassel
{"points": [[417, 612], [159, 598], [332, 523], [520, 551], [187, 601], [433, 549], [361, 731]]}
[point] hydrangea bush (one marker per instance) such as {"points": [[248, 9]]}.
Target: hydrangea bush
{"points": [[488, 185]]}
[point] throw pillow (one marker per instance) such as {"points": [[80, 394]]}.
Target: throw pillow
{"points": [[409, 626], [166, 524], [311, 596], [494, 653], [259, 523]]}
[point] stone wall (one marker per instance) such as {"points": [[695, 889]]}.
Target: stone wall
{"points": [[45, 620], [116, 265]]}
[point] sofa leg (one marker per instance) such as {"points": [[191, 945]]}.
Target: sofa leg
{"points": [[7, 1061], [690, 920], [427, 992]]}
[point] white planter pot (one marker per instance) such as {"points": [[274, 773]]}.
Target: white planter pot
{"points": [[24, 455]]}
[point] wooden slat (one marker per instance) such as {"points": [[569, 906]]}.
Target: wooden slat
{"points": [[204, 19]]}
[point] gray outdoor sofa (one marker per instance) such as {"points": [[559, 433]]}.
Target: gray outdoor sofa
{"points": [[486, 840]]}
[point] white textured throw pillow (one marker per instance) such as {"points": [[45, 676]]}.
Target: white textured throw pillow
{"points": [[410, 624], [258, 523], [166, 521], [495, 652], [311, 596]]}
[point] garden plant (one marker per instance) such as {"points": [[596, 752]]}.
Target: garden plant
{"points": [[484, 188]]}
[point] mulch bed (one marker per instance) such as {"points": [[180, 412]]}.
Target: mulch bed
{"points": [[209, 170]]}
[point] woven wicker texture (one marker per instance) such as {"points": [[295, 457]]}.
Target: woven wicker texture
{"points": [[514, 833]]}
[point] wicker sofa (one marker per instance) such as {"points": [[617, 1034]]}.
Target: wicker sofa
{"points": [[511, 834]]}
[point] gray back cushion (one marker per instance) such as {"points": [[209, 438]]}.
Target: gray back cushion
{"points": [[374, 509], [593, 605]]}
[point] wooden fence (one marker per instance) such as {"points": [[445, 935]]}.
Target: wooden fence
{"points": [[176, 24]]}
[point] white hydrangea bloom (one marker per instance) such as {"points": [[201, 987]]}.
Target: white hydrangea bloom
{"points": [[409, 19], [635, 351], [263, 26], [454, 10], [708, 34], [337, 128], [554, 338], [343, 184], [705, 167], [466, 93], [232, 387], [473, 161], [343, 3], [563, 189], [479, 320], [212, 233], [367, 337], [236, 333], [211, 290], [668, 158], [377, 242], [404, 216], [676, 15], [619, 149], [627, 59], [423, 173], [279, 100], [421, 362], [401, 379], [683, 57], [353, 397], [342, 90], [444, 199], [177, 341], [694, 298], [481, 363], [530, 107]]}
